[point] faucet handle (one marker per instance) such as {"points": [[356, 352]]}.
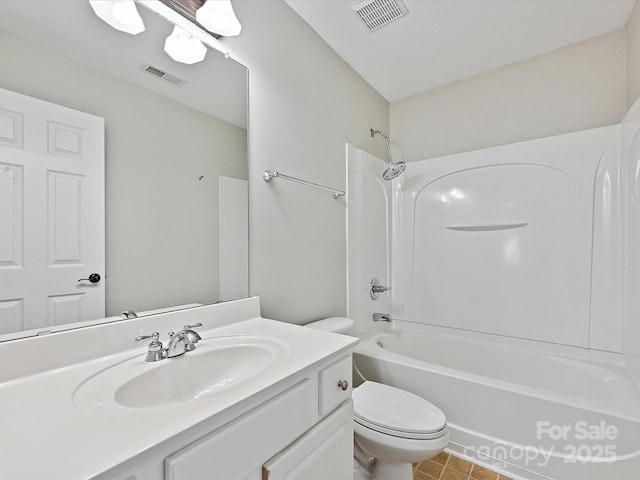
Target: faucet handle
{"points": [[193, 337], [156, 352], [155, 336], [376, 289]]}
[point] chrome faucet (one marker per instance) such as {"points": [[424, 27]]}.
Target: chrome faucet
{"points": [[179, 343], [381, 317], [183, 341], [190, 334]]}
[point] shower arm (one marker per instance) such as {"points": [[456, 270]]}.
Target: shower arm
{"points": [[386, 139], [394, 169], [388, 150]]}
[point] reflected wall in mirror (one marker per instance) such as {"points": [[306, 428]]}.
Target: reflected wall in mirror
{"points": [[168, 149]]}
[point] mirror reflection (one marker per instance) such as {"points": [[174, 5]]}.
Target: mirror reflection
{"points": [[175, 166]]}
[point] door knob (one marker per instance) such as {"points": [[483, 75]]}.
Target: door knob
{"points": [[93, 278]]}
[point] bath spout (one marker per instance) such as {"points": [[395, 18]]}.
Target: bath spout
{"points": [[381, 317]]}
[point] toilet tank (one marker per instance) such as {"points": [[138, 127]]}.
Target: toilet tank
{"points": [[342, 325]]}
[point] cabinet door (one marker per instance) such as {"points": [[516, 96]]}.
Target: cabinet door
{"points": [[335, 385], [324, 452], [240, 447]]}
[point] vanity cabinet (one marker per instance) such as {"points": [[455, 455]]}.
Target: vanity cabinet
{"points": [[232, 451], [324, 452], [334, 383], [257, 399], [302, 430]]}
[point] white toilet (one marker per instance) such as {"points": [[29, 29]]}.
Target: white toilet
{"points": [[394, 426]]}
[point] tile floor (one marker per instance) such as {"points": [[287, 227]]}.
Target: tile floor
{"points": [[448, 467]]}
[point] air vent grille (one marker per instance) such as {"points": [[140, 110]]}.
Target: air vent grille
{"points": [[378, 13], [166, 76]]}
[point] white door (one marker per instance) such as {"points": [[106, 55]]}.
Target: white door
{"points": [[51, 214]]}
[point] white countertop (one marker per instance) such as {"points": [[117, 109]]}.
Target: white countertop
{"points": [[45, 434]]}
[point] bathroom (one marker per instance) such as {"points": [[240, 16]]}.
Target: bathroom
{"points": [[306, 102]]}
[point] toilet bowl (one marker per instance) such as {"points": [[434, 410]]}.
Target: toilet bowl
{"points": [[394, 426], [398, 428]]}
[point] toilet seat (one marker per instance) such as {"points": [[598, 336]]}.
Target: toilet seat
{"points": [[392, 411]]}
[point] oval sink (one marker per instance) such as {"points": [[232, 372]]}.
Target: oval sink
{"points": [[216, 366]]}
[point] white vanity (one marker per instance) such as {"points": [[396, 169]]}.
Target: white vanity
{"points": [[257, 399]]}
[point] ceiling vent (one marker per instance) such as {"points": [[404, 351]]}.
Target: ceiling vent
{"points": [[378, 13], [166, 76]]}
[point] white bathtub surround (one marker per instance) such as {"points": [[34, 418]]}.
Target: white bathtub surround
{"points": [[514, 270], [522, 240], [369, 206], [60, 392], [630, 135]]}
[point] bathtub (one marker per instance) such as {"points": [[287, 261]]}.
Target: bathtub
{"points": [[527, 414]]}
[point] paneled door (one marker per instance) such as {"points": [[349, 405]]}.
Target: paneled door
{"points": [[52, 233]]}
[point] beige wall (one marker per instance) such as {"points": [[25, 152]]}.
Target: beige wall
{"points": [[162, 223], [305, 102], [574, 88], [633, 56]]}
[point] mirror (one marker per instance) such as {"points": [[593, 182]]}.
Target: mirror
{"points": [[171, 151]]}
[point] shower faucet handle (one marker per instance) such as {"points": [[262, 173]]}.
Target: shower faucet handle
{"points": [[377, 289]]}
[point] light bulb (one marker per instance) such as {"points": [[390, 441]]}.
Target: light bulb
{"points": [[217, 16], [183, 47], [120, 14]]}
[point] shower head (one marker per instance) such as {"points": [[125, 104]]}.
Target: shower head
{"points": [[394, 169]]}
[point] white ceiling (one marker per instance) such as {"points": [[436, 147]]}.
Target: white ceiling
{"points": [[217, 86], [442, 41]]}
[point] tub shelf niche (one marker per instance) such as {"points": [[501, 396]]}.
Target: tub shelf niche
{"points": [[487, 227]]}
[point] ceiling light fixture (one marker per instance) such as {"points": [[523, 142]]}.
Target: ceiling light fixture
{"points": [[188, 43], [120, 14], [174, 17], [184, 47], [217, 16]]}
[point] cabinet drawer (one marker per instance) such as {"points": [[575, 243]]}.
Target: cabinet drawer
{"points": [[234, 450], [331, 392]]}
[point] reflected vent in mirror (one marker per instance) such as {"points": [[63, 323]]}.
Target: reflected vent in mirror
{"points": [[166, 76]]}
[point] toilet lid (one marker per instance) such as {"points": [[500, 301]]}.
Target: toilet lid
{"points": [[391, 410]]}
